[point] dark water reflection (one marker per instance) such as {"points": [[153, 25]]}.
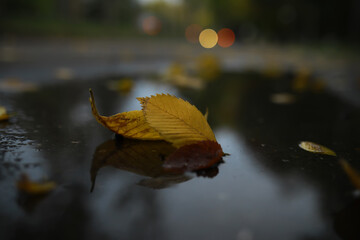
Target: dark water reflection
{"points": [[267, 188]]}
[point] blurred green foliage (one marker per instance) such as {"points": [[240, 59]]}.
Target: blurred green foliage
{"points": [[280, 20]]}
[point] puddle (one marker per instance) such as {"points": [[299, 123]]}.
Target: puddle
{"points": [[268, 188]]}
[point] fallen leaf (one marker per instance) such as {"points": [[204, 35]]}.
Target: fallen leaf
{"points": [[178, 76], [282, 98], [64, 73], [316, 148], [3, 114], [123, 85], [16, 85], [128, 124], [208, 67], [318, 85], [353, 175], [194, 157], [272, 69], [34, 188], [176, 120], [301, 80]]}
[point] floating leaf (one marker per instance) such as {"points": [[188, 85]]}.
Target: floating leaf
{"points": [[34, 188], [316, 148], [3, 114], [176, 120], [353, 175], [128, 124], [193, 157]]}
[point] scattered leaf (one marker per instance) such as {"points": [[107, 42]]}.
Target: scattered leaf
{"points": [[194, 157], [34, 188], [176, 120], [282, 98], [318, 85], [16, 85], [123, 85], [128, 124], [3, 114], [301, 80], [272, 69], [208, 67], [178, 76], [64, 73], [316, 148], [353, 175], [8, 54]]}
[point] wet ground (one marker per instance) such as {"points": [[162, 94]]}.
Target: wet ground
{"points": [[267, 188]]}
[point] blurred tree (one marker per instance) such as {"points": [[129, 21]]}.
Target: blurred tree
{"points": [[113, 11], [27, 8]]}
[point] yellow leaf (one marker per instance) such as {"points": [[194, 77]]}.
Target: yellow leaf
{"points": [[316, 148], [128, 124], [353, 175], [123, 85], [208, 67], [176, 120], [3, 114], [34, 188]]}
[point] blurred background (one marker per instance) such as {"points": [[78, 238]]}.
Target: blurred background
{"points": [[251, 20], [44, 41]]}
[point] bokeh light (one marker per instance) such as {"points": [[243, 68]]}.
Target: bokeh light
{"points": [[192, 33], [208, 38], [151, 25], [226, 37]]}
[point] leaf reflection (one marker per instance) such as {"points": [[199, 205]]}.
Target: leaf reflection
{"points": [[145, 158]]}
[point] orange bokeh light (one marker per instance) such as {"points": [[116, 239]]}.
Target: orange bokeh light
{"points": [[192, 33], [226, 37], [151, 25]]}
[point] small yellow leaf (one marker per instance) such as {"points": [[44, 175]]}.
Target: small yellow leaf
{"points": [[128, 124], [353, 175], [123, 85], [176, 120], [208, 67], [316, 148], [3, 114], [34, 188]]}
